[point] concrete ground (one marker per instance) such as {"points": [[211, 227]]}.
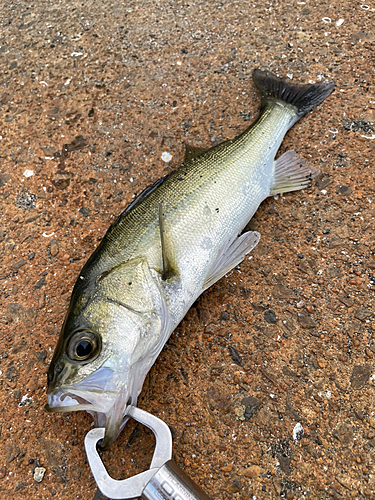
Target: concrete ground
{"points": [[92, 93]]}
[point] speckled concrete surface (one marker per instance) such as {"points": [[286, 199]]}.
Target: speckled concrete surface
{"points": [[91, 94]]}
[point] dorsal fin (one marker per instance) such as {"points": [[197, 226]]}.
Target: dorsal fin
{"points": [[167, 268], [142, 196], [193, 152]]}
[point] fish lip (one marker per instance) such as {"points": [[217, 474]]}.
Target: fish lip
{"points": [[56, 397], [81, 400], [95, 393]]}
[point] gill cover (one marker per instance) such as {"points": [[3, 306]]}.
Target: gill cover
{"points": [[130, 285]]}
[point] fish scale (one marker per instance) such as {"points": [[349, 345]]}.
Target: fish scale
{"points": [[179, 237], [204, 178]]}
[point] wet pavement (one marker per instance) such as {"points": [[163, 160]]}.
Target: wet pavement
{"points": [[268, 383]]}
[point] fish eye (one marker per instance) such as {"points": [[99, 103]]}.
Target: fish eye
{"points": [[83, 346]]}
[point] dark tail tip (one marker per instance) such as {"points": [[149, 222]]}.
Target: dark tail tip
{"points": [[303, 97]]}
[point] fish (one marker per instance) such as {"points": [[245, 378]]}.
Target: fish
{"points": [[176, 239]]}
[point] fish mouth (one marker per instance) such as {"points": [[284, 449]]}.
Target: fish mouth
{"points": [[95, 393], [61, 400], [110, 413], [100, 396]]}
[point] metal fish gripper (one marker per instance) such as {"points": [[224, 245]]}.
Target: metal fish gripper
{"points": [[163, 481]]}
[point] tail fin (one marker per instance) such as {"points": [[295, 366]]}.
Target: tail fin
{"points": [[303, 97]]}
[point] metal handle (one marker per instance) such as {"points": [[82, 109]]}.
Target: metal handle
{"points": [[132, 487], [163, 481], [171, 483]]}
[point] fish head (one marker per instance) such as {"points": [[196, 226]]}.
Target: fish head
{"points": [[110, 338]]}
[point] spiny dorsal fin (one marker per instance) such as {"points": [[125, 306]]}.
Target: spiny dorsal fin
{"points": [[193, 152], [142, 196], [167, 268]]}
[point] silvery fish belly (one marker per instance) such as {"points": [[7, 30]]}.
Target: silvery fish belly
{"points": [[175, 240]]}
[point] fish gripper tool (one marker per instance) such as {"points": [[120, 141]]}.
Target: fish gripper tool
{"points": [[163, 481]]}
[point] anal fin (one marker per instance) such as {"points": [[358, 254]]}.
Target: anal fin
{"points": [[230, 256], [292, 173]]}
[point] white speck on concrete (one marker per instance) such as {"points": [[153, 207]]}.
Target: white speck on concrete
{"points": [[166, 157], [39, 474], [339, 22], [28, 173], [25, 401], [297, 432]]}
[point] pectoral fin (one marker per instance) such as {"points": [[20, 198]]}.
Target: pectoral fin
{"points": [[292, 173], [230, 256], [165, 247]]}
